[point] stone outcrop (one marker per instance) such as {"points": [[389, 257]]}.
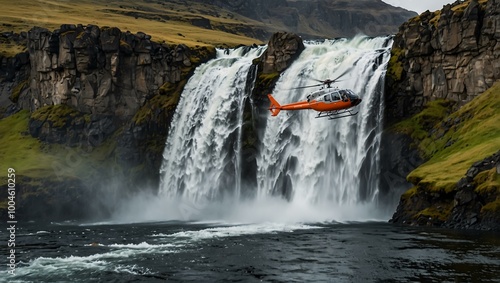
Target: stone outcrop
{"points": [[14, 73], [451, 54], [84, 85], [282, 49], [469, 206], [104, 75]]}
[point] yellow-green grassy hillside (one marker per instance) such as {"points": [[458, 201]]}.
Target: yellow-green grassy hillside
{"points": [[167, 21]]}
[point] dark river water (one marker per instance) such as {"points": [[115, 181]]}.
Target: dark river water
{"points": [[268, 252]]}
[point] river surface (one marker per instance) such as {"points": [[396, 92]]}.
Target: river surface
{"points": [[267, 252]]}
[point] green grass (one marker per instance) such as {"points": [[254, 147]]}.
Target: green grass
{"points": [[36, 160], [17, 90], [493, 206], [21, 151], [419, 125], [164, 21], [488, 182], [395, 66], [457, 9], [10, 49], [59, 115], [435, 213], [474, 138]]}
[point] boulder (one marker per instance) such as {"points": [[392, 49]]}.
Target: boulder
{"points": [[282, 49]]}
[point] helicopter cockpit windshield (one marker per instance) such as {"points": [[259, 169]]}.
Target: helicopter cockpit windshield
{"points": [[331, 97]]}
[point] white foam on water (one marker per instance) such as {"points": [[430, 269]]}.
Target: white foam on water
{"points": [[107, 261]]}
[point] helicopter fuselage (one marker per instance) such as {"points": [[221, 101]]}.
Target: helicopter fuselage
{"points": [[323, 100]]}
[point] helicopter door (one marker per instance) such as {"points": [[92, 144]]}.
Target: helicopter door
{"points": [[335, 96], [344, 95]]}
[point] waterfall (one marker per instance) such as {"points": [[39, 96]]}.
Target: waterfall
{"points": [[203, 150], [303, 163], [336, 162]]}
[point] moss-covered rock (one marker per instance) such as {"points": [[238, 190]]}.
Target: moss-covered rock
{"points": [[18, 89], [460, 180], [395, 66]]}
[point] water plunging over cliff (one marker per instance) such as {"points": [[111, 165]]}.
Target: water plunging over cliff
{"points": [[322, 161], [202, 153], [312, 163]]}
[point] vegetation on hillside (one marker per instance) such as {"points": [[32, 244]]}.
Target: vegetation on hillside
{"points": [[462, 138], [168, 21], [451, 144]]}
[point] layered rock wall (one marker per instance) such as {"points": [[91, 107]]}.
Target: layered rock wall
{"points": [[451, 54], [99, 70]]}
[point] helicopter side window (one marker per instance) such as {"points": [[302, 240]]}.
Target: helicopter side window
{"points": [[326, 97], [335, 96]]}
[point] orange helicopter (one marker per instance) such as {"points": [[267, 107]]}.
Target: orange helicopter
{"points": [[330, 102]]}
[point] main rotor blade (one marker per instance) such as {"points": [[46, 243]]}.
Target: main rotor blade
{"points": [[308, 86], [329, 81], [343, 74]]}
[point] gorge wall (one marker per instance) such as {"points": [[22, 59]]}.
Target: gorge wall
{"points": [[451, 54], [441, 142]]}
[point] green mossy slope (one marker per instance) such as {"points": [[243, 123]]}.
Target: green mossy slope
{"points": [[43, 168], [452, 144], [464, 137]]}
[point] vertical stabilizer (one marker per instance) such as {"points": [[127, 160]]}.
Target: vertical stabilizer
{"points": [[275, 107]]}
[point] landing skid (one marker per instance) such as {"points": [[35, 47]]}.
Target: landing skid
{"points": [[337, 114]]}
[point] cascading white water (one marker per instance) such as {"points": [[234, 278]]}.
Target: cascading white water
{"points": [[202, 153], [321, 161], [315, 164]]}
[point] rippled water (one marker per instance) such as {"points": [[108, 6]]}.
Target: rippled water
{"points": [[277, 252]]}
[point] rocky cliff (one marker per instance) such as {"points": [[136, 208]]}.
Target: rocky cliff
{"points": [[100, 102], [442, 111], [451, 54]]}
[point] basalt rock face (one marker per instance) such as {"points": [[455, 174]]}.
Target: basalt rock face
{"points": [[14, 74], [99, 70], [450, 54]]}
